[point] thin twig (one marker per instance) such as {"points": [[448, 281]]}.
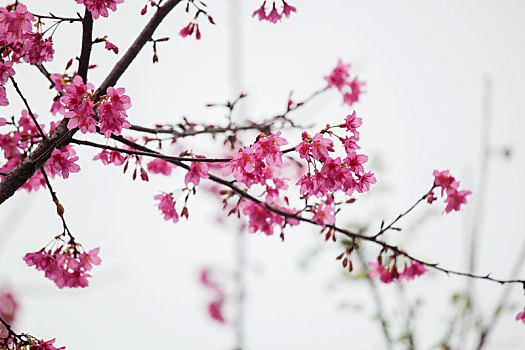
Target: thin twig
{"points": [[149, 154], [58, 18], [389, 226], [28, 108], [396, 250]]}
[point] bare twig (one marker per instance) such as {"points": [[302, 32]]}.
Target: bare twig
{"points": [[28, 108], [149, 154], [394, 249]]}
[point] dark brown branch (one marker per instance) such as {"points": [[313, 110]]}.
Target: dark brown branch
{"points": [[150, 154], [28, 108], [137, 45], [389, 226], [61, 135], [394, 249], [11, 334], [87, 43], [58, 18], [209, 130]]}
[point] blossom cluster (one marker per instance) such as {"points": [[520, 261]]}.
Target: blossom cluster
{"points": [[347, 174], [350, 89], [45, 345], [100, 7], [215, 306], [66, 267], [109, 112], [388, 274], [264, 220], [17, 143], [274, 16], [259, 162], [8, 310], [449, 186], [17, 41]]}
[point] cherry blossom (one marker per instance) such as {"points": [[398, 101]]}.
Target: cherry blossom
{"points": [[160, 166], [111, 47], [198, 170], [65, 267], [415, 269], [521, 316], [167, 206], [62, 162], [100, 7], [274, 15], [455, 199]]}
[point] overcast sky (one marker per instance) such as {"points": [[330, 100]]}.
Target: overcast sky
{"points": [[425, 64]]}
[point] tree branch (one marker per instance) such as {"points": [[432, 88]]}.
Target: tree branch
{"points": [[87, 43], [373, 239], [28, 108], [61, 135]]}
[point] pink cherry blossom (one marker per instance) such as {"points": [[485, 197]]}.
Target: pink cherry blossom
{"points": [[288, 9], [8, 311], [333, 174], [415, 269], [274, 16], [364, 182], [260, 12], [42, 345], [84, 123], [86, 260], [323, 215], [214, 307], [103, 157], [304, 149], [37, 50], [62, 162], [167, 206], [6, 71], [321, 146], [352, 97], [352, 122], [455, 199], [339, 76], [355, 162], [430, 197], [64, 267], [3, 97], [378, 269], [118, 99], [190, 29], [215, 310], [100, 7], [14, 25], [198, 171], [3, 121], [111, 47], [58, 80], [444, 180], [112, 119], [160, 166], [260, 218]]}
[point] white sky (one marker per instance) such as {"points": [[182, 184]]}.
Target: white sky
{"points": [[424, 63]]}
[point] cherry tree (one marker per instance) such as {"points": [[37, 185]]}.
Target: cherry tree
{"points": [[275, 174]]}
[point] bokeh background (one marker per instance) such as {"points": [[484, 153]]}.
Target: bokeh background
{"points": [[438, 74]]}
